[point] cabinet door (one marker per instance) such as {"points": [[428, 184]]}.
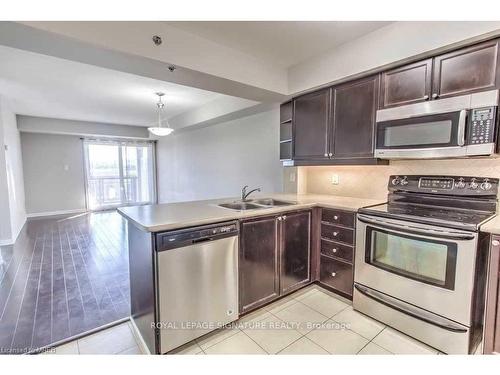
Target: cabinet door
{"points": [[295, 251], [466, 70], [355, 104], [258, 263], [407, 84], [311, 125]]}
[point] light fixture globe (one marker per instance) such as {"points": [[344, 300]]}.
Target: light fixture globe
{"points": [[160, 131]]}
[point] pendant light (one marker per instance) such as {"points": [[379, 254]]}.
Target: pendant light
{"points": [[160, 130]]}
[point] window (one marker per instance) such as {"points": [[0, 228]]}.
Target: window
{"points": [[118, 173]]}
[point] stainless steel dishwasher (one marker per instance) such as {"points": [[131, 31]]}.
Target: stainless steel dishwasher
{"points": [[197, 282]]}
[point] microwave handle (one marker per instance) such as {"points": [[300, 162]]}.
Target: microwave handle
{"points": [[461, 127]]}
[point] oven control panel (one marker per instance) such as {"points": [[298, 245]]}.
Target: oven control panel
{"points": [[444, 185], [436, 183], [482, 125]]}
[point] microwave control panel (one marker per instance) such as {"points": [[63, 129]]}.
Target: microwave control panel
{"points": [[482, 125]]}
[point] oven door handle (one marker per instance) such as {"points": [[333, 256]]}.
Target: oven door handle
{"points": [[449, 235], [411, 310]]}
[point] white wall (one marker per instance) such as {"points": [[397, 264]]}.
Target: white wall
{"points": [[12, 173], [53, 173], [5, 228], [394, 42], [217, 161]]}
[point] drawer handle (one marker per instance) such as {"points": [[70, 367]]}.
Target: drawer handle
{"points": [[335, 234], [495, 242], [334, 274], [335, 217], [334, 250]]}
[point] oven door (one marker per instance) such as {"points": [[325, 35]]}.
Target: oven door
{"points": [[426, 266], [429, 136]]}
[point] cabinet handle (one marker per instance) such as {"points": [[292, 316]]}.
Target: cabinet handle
{"points": [[426, 97], [284, 217], [280, 218], [330, 154], [335, 234], [495, 242], [334, 250], [435, 96], [334, 274], [326, 155], [335, 217]]}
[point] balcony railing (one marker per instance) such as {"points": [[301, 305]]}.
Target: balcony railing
{"points": [[114, 191]]}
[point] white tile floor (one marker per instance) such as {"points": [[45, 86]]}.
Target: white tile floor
{"points": [[310, 321]]}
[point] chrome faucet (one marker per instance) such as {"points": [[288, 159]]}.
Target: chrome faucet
{"points": [[245, 194]]}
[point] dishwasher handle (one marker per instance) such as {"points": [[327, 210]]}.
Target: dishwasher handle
{"points": [[190, 236]]}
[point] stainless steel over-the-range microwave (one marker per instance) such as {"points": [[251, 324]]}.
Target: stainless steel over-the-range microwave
{"points": [[453, 127]]}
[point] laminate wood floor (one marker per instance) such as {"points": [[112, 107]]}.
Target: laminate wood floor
{"points": [[62, 277]]}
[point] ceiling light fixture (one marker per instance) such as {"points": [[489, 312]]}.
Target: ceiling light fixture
{"points": [[160, 130]]}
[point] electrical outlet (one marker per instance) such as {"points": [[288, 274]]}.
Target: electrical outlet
{"points": [[292, 177], [335, 179]]}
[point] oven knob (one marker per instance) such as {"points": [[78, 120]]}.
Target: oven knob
{"points": [[404, 181], [460, 184], [486, 185], [396, 180], [473, 184]]}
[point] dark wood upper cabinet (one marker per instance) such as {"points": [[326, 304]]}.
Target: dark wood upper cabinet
{"points": [[354, 107], [295, 251], [492, 314], [311, 125], [258, 262], [466, 70], [406, 85]]}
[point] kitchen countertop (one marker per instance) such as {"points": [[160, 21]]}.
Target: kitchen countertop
{"points": [[168, 216], [492, 226]]}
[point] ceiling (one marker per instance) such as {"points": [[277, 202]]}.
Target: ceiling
{"points": [[40, 85], [285, 43]]}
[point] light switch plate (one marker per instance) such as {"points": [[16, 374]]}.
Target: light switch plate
{"points": [[335, 179]]}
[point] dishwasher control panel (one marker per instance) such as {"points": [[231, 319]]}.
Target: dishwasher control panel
{"points": [[189, 236]]}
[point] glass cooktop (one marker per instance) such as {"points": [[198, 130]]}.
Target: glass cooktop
{"points": [[449, 217]]}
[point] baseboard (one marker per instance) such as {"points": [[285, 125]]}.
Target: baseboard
{"points": [[138, 337], [14, 237], [55, 213], [6, 242], [12, 241]]}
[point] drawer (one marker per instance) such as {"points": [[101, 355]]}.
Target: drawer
{"points": [[337, 275], [336, 233], [344, 218], [335, 249]]}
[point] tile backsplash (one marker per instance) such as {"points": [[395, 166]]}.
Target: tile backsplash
{"points": [[371, 181]]}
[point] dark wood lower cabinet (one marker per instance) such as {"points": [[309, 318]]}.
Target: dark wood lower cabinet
{"points": [[274, 257], [337, 275], [295, 251], [258, 262], [336, 247], [492, 318]]}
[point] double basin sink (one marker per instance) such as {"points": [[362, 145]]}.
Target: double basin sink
{"points": [[255, 204]]}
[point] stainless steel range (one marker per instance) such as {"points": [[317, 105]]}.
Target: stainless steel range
{"points": [[417, 264]]}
